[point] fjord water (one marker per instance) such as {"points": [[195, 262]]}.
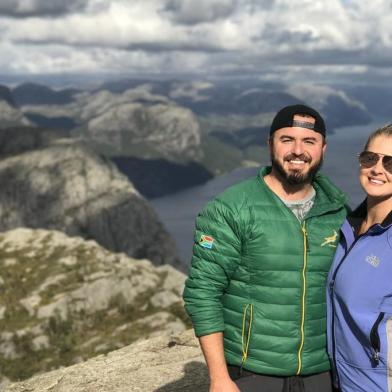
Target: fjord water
{"points": [[178, 211]]}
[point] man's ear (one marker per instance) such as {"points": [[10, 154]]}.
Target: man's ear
{"points": [[270, 141]]}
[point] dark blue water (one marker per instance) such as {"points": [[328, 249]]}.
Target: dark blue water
{"points": [[178, 211]]}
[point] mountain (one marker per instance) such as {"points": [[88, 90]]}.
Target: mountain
{"points": [[376, 98], [164, 127], [162, 364], [6, 95], [159, 177], [63, 184], [10, 114], [18, 140], [249, 97], [134, 122], [220, 100], [214, 126], [62, 122], [37, 94], [65, 300], [338, 107]]}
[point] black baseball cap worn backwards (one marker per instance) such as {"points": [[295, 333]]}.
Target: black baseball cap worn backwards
{"points": [[285, 118]]}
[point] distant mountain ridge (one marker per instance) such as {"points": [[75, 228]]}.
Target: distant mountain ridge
{"points": [[37, 94], [196, 126]]}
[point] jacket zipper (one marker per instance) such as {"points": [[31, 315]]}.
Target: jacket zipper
{"points": [[245, 338], [375, 340], [306, 248]]}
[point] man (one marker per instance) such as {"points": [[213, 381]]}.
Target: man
{"points": [[263, 248]]}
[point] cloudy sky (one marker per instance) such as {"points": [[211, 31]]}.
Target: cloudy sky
{"points": [[273, 39]]}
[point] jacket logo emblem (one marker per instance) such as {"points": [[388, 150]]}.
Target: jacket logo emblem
{"points": [[206, 241], [330, 241], [373, 260]]}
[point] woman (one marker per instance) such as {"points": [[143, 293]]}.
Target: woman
{"points": [[360, 281]]}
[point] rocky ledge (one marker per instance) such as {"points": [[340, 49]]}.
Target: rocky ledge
{"points": [[162, 364], [64, 300]]}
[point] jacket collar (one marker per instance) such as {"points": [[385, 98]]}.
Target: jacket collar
{"points": [[356, 217], [328, 196]]}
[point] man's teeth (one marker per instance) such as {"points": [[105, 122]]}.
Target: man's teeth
{"points": [[296, 161], [378, 182]]}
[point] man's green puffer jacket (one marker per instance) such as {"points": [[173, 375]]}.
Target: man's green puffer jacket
{"points": [[259, 275]]}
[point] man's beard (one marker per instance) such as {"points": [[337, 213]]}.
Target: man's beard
{"points": [[296, 177]]}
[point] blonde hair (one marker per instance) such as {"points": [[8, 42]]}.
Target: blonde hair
{"points": [[383, 131]]}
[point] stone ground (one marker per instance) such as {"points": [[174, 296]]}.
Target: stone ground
{"points": [[162, 364]]}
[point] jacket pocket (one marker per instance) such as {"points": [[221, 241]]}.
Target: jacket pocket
{"points": [[385, 309], [375, 342]]}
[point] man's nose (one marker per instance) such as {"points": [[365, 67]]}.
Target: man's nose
{"points": [[298, 148]]}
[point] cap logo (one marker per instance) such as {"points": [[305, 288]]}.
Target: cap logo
{"points": [[303, 124], [285, 118]]}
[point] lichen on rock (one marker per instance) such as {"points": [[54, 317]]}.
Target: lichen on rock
{"points": [[58, 313]]}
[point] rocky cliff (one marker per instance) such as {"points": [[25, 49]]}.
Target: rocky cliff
{"points": [[62, 184], [64, 300], [10, 114], [135, 120], [162, 364]]}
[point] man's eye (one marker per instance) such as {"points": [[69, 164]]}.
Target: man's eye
{"points": [[309, 142]]}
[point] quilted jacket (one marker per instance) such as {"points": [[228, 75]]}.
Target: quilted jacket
{"points": [[258, 275]]}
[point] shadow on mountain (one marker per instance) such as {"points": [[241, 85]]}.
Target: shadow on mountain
{"points": [[37, 94], [158, 177], [5, 94], [243, 138], [194, 379], [65, 123], [120, 223], [64, 185], [17, 140]]}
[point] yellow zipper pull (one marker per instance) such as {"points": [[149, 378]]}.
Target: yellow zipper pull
{"points": [[306, 238], [246, 334]]}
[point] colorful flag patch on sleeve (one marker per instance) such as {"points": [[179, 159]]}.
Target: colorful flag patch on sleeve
{"points": [[206, 241]]}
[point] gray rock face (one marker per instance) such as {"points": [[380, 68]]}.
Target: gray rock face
{"points": [[163, 364], [11, 116], [135, 117], [65, 300], [172, 128], [65, 186], [18, 140]]}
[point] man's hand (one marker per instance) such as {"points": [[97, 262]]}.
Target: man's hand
{"points": [[226, 385], [212, 347]]}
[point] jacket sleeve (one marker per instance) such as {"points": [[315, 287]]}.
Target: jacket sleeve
{"points": [[213, 263]]}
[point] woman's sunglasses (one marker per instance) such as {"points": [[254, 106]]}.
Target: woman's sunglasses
{"points": [[368, 159]]}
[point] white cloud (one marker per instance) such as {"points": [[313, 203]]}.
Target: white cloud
{"points": [[191, 12], [220, 36], [27, 8]]}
